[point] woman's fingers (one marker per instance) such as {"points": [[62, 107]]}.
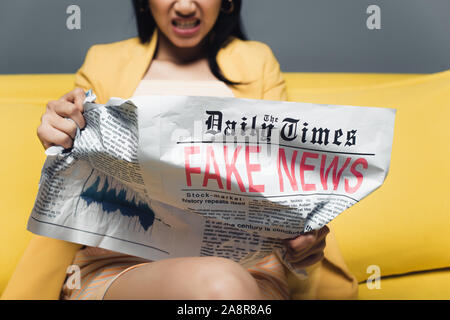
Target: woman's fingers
{"points": [[50, 136], [303, 241], [307, 249], [300, 255], [57, 127], [76, 97], [65, 125], [307, 240], [67, 109]]}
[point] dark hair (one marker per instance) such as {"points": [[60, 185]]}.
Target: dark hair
{"points": [[227, 24]]}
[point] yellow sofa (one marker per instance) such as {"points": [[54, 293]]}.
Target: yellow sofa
{"points": [[402, 228]]}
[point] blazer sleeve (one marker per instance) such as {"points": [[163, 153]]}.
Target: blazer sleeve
{"points": [[41, 272], [274, 85]]}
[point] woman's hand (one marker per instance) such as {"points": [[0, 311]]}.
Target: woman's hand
{"points": [[306, 249], [55, 128]]}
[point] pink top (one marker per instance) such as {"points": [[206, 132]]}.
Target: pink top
{"points": [[186, 88]]}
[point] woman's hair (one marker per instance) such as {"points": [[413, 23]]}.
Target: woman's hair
{"points": [[227, 24]]}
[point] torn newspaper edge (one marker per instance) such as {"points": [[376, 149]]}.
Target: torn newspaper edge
{"points": [[174, 176]]}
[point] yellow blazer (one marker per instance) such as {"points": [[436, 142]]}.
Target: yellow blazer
{"points": [[115, 70]]}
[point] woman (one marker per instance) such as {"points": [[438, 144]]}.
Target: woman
{"points": [[192, 47]]}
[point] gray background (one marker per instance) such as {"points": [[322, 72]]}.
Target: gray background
{"points": [[305, 35]]}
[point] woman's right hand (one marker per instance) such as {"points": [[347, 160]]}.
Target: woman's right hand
{"points": [[55, 128]]}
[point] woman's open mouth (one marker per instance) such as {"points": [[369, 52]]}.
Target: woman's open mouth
{"points": [[186, 27]]}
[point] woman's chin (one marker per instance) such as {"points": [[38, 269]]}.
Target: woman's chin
{"points": [[186, 43]]}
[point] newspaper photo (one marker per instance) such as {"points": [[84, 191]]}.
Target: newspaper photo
{"points": [[173, 176]]}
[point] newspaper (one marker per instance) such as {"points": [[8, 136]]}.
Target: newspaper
{"points": [[173, 176]]}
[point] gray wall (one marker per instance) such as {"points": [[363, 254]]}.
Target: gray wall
{"points": [[305, 35]]}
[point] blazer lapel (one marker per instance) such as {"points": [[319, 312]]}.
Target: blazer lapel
{"points": [[141, 56], [134, 70]]}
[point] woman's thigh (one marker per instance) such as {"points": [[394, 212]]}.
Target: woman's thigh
{"points": [[185, 278]]}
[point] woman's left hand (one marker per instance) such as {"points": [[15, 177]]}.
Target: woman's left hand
{"points": [[307, 249]]}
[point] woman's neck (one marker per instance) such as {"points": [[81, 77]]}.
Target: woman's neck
{"points": [[166, 51]]}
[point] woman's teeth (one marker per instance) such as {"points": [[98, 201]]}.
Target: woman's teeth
{"points": [[186, 24]]}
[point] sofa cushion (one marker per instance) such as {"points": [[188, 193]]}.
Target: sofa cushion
{"points": [[22, 160], [403, 226], [22, 102]]}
